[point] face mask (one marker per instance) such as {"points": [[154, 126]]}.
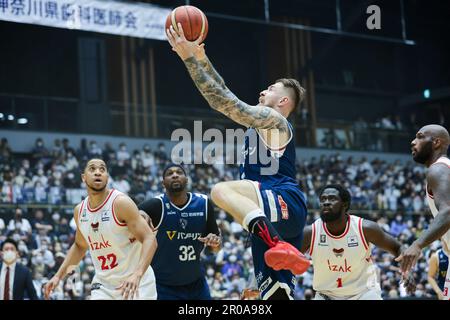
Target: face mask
{"points": [[9, 256]]}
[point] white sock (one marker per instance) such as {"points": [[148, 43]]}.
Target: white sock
{"points": [[250, 216]]}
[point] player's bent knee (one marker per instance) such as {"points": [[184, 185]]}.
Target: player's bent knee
{"points": [[218, 193]]}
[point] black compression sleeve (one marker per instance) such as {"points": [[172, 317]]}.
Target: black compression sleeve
{"points": [[153, 208], [211, 223]]}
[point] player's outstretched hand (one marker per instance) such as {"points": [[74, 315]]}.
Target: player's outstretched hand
{"points": [[409, 257], [409, 282], [184, 48], [50, 286], [130, 287], [212, 240]]}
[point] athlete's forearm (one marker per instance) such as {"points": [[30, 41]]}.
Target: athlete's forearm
{"points": [[438, 227], [220, 98], [206, 65], [434, 285], [396, 249], [148, 250], [73, 258]]}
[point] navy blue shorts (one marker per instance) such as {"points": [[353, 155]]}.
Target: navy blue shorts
{"points": [[286, 210], [197, 290]]}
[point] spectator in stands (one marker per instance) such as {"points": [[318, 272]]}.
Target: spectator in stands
{"points": [[40, 192], [148, 159], [231, 267], [66, 146], [5, 151], [122, 154], [94, 150], [40, 152], [161, 153], [108, 150], [57, 150], [122, 185], [398, 226], [39, 224], [386, 123], [16, 281], [62, 229], [398, 123], [20, 224], [41, 178], [70, 180], [71, 162]]}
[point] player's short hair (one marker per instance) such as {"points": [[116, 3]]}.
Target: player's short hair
{"points": [[9, 240], [299, 91], [86, 164], [344, 194]]}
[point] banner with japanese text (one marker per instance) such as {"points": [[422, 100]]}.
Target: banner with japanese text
{"points": [[122, 18]]}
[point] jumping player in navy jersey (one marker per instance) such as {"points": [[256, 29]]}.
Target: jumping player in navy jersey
{"points": [[267, 201], [185, 223]]}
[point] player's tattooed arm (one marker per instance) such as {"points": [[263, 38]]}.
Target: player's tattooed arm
{"points": [[206, 65], [438, 180], [220, 98]]}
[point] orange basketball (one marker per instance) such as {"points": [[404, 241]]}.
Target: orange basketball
{"points": [[192, 19]]}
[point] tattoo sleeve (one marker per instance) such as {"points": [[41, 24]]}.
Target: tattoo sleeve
{"points": [[220, 98], [438, 179]]}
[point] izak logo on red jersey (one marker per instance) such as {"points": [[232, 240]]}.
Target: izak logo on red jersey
{"points": [[339, 268], [97, 245]]}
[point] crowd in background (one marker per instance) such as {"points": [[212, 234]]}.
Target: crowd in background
{"points": [[390, 193]]}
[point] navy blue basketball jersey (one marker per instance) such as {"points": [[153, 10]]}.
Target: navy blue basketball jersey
{"points": [[443, 265], [272, 168], [177, 259]]}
